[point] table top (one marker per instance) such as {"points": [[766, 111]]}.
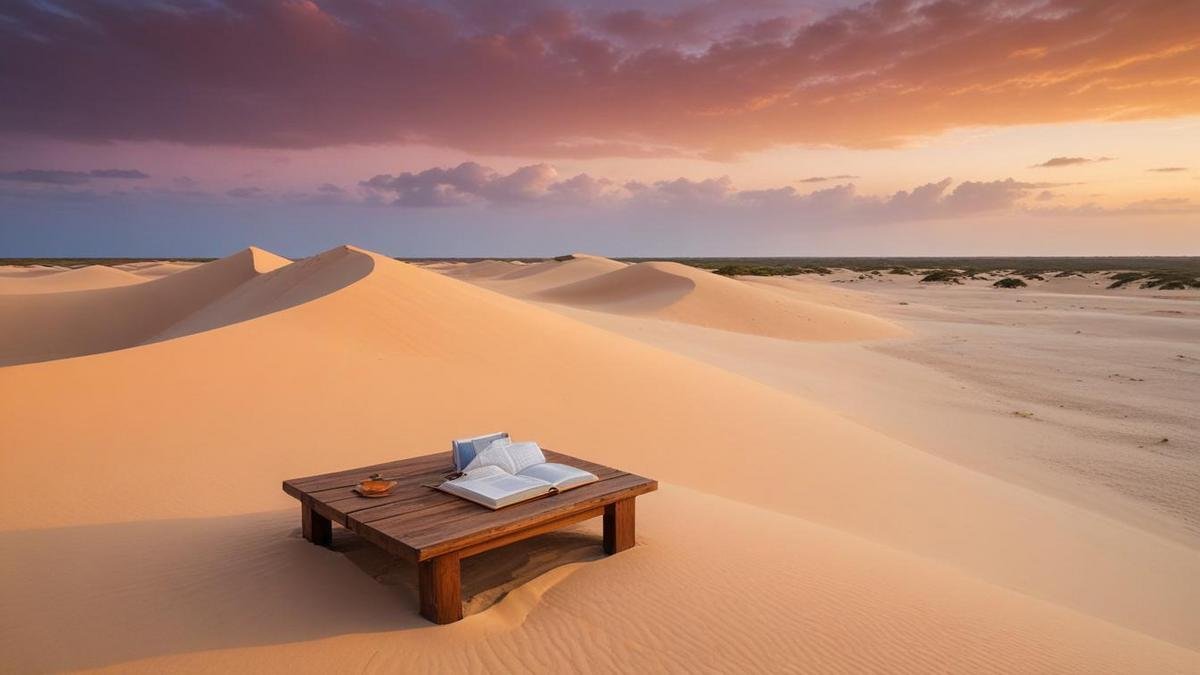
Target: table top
{"points": [[419, 522]]}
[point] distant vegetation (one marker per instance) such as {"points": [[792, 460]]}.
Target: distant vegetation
{"points": [[1010, 282], [979, 265], [1167, 281], [84, 262], [943, 276], [769, 270]]}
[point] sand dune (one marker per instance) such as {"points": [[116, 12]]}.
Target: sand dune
{"points": [[678, 292], [26, 271], [484, 269], [865, 553], [157, 269], [522, 279], [550, 273], [67, 324], [54, 281]]}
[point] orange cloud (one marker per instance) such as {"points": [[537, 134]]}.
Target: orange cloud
{"points": [[560, 82], [1056, 162]]}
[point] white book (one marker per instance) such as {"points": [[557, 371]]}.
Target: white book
{"points": [[507, 473]]}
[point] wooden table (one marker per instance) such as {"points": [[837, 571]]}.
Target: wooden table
{"points": [[436, 530]]}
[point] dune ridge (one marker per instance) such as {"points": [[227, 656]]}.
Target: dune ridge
{"points": [[78, 279], [61, 325], [550, 273], [677, 292], [157, 269], [350, 358]]}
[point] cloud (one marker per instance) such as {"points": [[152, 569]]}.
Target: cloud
{"points": [[550, 79], [59, 177], [825, 179], [473, 184], [48, 176], [1055, 162], [130, 174], [1169, 169], [248, 192], [690, 191], [1162, 206]]}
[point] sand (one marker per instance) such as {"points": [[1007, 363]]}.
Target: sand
{"points": [[675, 292], [38, 279], [787, 536], [156, 269], [66, 324]]}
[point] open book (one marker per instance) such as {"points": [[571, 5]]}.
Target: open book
{"points": [[506, 473]]}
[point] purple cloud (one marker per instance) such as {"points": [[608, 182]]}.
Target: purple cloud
{"points": [[554, 79], [59, 177], [825, 179], [1057, 162]]}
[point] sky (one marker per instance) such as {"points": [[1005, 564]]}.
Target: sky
{"points": [[433, 128]]}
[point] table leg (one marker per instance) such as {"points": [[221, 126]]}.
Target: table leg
{"points": [[315, 526], [618, 525], [441, 588]]}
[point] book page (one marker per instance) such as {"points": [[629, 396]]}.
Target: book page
{"points": [[465, 449], [560, 476], [511, 457], [481, 472], [493, 487], [525, 454]]}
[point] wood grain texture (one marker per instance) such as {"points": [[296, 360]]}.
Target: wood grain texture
{"points": [[619, 525], [441, 588]]}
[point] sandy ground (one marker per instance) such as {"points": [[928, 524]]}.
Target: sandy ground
{"points": [[796, 530]]}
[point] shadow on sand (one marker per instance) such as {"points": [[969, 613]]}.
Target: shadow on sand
{"points": [[135, 590]]}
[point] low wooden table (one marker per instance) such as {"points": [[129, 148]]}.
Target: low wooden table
{"points": [[436, 530]]}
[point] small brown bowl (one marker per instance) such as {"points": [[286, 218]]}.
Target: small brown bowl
{"points": [[375, 487]]}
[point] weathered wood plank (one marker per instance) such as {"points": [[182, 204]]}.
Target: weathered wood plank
{"points": [[462, 533], [533, 531], [349, 501], [469, 516], [349, 477], [441, 510]]}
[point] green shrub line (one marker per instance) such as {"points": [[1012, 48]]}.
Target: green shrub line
{"points": [[944, 276], [769, 271], [1162, 280]]}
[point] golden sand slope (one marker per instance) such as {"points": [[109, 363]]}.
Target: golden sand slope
{"points": [[860, 552], [678, 292], [82, 278], [67, 324], [551, 273], [523, 279], [156, 269]]}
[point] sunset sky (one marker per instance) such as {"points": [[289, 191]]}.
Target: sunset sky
{"points": [[454, 128]]}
